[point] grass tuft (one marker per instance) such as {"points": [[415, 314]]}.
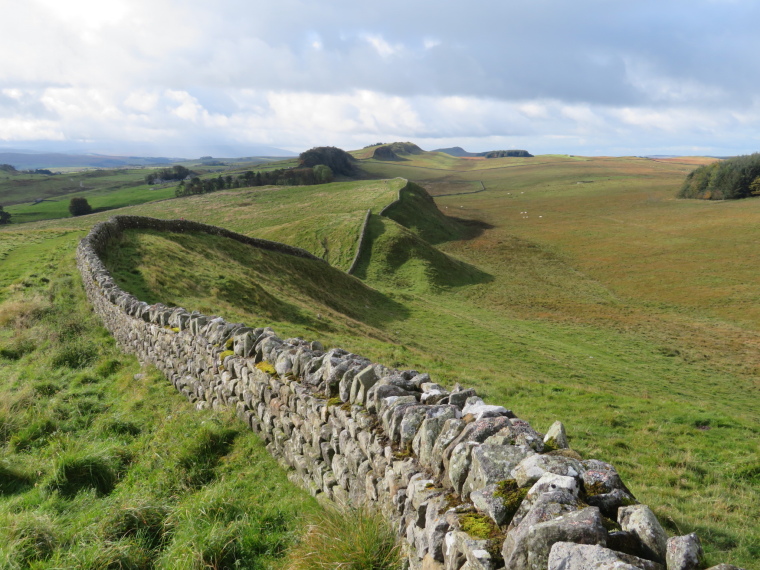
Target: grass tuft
{"points": [[354, 538], [77, 471], [29, 539], [74, 354], [13, 480], [148, 522]]}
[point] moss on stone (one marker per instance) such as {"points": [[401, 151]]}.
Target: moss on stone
{"points": [[452, 501], [334, 401], [511, 495], [225, 354], [610, 525], [229, 344], [478, 525], [550, 445], [596, 488], [266, 367]]}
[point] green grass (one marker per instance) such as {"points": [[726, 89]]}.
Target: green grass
{"points": [[92, 473], [104, 189], [355, 538], [621, 311]]}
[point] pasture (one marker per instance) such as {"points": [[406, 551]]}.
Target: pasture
{"points": [[573, 288]]}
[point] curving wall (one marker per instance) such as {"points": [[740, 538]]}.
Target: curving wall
{"points": [[468, 485]]}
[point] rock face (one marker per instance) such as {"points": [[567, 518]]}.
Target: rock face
{"points": [[439, 464]]}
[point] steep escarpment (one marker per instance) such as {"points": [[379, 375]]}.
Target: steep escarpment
{"points": [[468, 484]]}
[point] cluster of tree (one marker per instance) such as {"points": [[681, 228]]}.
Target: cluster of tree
{"points": [[79, 207], [730, 179], [319, 174], [504, 153], [7, 168], [176, 172], [5, 217], [339, 161]]}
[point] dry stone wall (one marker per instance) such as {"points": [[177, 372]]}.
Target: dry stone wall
{"points": [[468, 485]]}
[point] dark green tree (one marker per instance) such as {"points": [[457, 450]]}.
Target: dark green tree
{"points": [[79, 207], [5, 217], [323, 174], [724, 180], [339, 161]]}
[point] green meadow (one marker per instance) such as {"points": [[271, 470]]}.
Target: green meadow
{"points": [[569, 288]]}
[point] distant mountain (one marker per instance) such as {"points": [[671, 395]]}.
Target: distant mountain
{"points": [[25, 161], [33, 159], [460, 152]]}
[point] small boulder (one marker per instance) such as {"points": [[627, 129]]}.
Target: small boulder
{"points": [[641, 521], [556, 438], [684, 553]]}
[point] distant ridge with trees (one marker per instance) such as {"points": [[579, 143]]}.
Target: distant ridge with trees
{"points": [[460, 152], [737, 177], [396, 151]]}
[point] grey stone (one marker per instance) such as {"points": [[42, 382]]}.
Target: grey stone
{"points": [[546, 507], [458, 396], [462, 551], [364, 380], [640, 520], [346, 381], [486, 500], [531, 549], [609, 503], [538, 501], [572, 556], [424, 441], [491, 464], [451, 429], [459, 465], [479, 409], [556, 436], [476, 432], [533, 467], [684, 553]]}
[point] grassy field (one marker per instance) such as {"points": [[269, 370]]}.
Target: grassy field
{"points": [[92, 474], [35, 197], [609, 305]]}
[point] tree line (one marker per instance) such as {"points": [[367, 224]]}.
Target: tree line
{"points": [[318, 174], [737, 177], [176, 172]]}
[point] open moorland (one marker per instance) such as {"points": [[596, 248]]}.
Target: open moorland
{"points": [[561, 287]]}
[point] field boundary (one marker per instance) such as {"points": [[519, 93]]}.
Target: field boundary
{"points": [[463, 481], [360, 244]]}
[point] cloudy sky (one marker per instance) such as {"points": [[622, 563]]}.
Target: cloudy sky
{"points": [[228, 77]]}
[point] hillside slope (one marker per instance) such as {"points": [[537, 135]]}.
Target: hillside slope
{"points": [[561, 316]]}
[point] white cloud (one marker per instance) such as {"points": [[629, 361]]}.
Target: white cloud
{"points": [[616, 75], [382, 47]]}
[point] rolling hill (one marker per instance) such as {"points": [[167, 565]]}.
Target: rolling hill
{"points": [[569, 288]]}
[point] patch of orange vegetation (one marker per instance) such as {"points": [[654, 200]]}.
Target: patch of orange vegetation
{"points": [[696, 160]]}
